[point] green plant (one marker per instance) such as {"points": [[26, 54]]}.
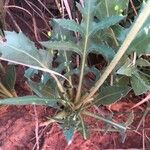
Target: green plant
{"points": [[98, 33], [7, 81]]}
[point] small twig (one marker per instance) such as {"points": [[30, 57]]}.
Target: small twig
{"points": [[35, 29], [142, 101], [68, 8], [46, 8], [36, 128], [40, 13], [40, 135], [144, 115], [148, 138], [13, 20], [143, 133], [82, 3], [133, 7], [13, 6]]}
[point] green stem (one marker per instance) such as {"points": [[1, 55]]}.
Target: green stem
{"points": [[107, 11], [84, 56], [130, 37], [68, 69], [83, 127], [82, 72], [58, 84], [114, 37], [60, 87]]}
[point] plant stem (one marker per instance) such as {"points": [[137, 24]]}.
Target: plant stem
{"points": [[58, 84], [130, 37], [107, 11], [82, 73], [84, 56], [114, 37]]}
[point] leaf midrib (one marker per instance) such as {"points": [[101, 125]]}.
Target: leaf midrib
{"points": [[43, 67]]}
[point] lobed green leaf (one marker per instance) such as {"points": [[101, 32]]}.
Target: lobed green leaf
{"points": [[62, 45], [19, 49], [106, 51], [106, 23], [70, 25], [139, 84], [112, 94], [127, 69]]}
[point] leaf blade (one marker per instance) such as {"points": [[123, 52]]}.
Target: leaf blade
{"points": [[70, 25], [26, 100], [19, 49], [139, 84], [106, 23], [62, 45], [112, 94], [102, 49]]}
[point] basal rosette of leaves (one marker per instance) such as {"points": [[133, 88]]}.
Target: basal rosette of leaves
{"points": [[63, 84]]}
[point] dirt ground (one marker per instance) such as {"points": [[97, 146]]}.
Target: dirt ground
{"points": [[18, 132]]}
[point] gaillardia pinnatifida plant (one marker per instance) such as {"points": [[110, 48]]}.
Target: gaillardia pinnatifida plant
{"points": [[64, 84]]}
